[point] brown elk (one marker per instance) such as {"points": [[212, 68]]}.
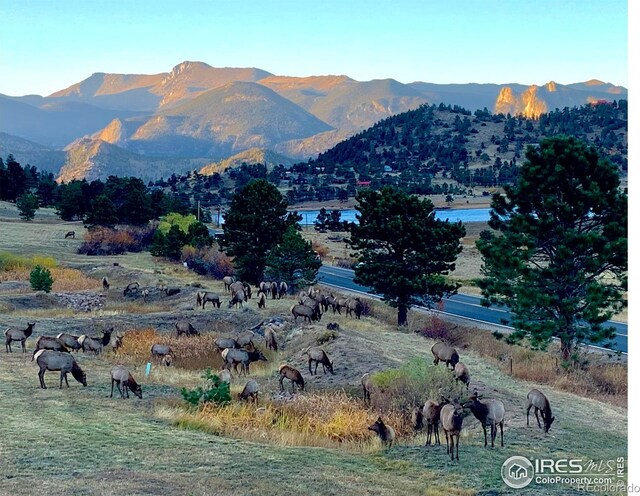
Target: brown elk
{"points": [[48, 343], [490, 413], [250, 391], [228, 281], [307, 313], [95, 345], [162, 352], [319, 356], [184, 327], [120, 376], [132, 287], [262, 299], [70, 341], [234, 356], [223, 343], [444, 353], [451, 416], [430, 414], [385, 432], [206, 296], [14, 334], [270, 339], [540, 403], [59, 360], [461, 373], [354, 307], [367, 387], [238, 298], [274, 290], [105, 284], [282, 289], [294, 375]]}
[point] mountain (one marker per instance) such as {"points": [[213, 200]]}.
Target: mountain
{"points": [[28, 152], [251, 156], [91, 158], [199, 112]]}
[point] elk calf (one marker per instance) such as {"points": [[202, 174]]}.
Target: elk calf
{"points": [[120, 376], [385, 432], [293, 375], [540, 403], [461, 372]]}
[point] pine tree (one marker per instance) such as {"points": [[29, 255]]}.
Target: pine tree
{"points": [[27, 205]]}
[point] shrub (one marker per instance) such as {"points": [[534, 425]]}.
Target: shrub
{"points": [[216, 392], [107, 241], [40, 279], [208, 261]]}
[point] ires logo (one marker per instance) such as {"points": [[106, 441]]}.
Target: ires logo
{"points": [[562, 466]]}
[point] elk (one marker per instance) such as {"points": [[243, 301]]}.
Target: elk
{"points": [[235, 287], [489, 412], [270, 339], [461, 373], [245, 340], [430, 413], [540, 403], [207, 296], [132, 287], [307, 313], [444, 353], [355, 307], [70, 341], [282, 289], [48, 343], [385, 432], [162, 352], [294, 375], [93, 344], [367, 387], [184, 327], [262, 299], [247, 290], [105, 284], [265, 287], [234, 356], [250, 391], [13, 334], [70, 234], [59, 360], [225, 376], [237, 299], [451, 420], [319, 356], [222, 344], [228, 281], [120, 376], [170, 291]]}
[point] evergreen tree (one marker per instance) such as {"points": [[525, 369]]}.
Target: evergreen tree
{"points": [[41, 279], [293, 260], [102, 213], [27, 205], [256, 220], [404, 252], [559, 259]]}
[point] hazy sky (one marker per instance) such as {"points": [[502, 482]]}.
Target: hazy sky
{"points": [[47, 45]]}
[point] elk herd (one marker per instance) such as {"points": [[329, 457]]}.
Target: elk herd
{"points": [[55, 354]]}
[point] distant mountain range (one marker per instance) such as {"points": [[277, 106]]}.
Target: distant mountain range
{"points": [[155, 125]]}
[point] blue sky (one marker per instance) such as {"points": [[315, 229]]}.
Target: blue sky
{"points": [[48, 45]]}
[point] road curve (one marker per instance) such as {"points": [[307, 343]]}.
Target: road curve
{"points": [[461, 305]]}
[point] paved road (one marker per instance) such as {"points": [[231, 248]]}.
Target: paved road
{"points": [[460, 305]]}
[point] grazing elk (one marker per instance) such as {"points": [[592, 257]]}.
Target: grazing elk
{"points": [[250, 391], [354, 307], [262, 299], [540, 403], [238, 298], [294, 375], [282, 289], [70, 234], [228, 281], [385, 432], [13, 334], [70, 341], [48, 343], [270, 339], [490, 413], [162, 352], [170, 291], [95, 345], [235, 356], [444, 353], [132, 287], [184, 327], [318, 356], [451, 416], [59, 360], [461, 373], [120, 376], [245, 340], [222, 344], [207, 296], [307, 313], [105, 284]]}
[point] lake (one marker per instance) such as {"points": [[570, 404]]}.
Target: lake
{"points": [[453, 215]]}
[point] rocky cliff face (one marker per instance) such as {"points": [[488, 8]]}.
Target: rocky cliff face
{"points": [[528, 103]]}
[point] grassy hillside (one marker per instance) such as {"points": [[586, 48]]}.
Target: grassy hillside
{"points": [[80, 441]]}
